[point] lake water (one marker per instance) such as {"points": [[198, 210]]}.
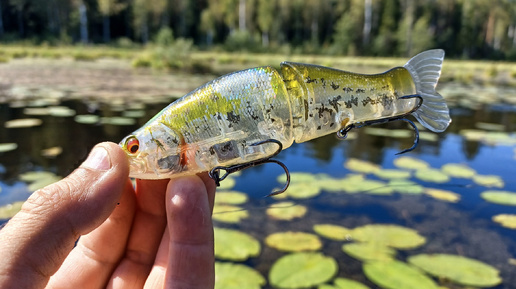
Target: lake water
{"points": [[463, 228]]}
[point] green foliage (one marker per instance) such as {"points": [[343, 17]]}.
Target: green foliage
{"points": [[237, 276], [389, 235], [397, 275], [235, 245]]}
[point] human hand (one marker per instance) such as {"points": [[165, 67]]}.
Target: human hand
{"points": [[158, 235]]}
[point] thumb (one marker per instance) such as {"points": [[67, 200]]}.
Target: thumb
{"points": [[37, 239]]}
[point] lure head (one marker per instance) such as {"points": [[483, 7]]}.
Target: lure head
{"points": [[153, 152]]}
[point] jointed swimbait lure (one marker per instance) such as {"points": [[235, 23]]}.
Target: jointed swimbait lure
{"points": [[245, 118]]}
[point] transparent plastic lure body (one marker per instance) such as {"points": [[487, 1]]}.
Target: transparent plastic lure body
{"points": [[220, 123]]}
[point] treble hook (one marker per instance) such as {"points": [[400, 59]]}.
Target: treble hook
{"points": [[342, 134], [215, 172]]}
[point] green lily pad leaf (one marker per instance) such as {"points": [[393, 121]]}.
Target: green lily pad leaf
{"points": [[61, 111], [350, 184], [302, 270], [52, 152], [406, 187], [397, 275], [500, 197], [458, 171], [41, 183], [117, 120], [87, 118], [392, 174], [343, 283], [230, 198], [444, 195], [23, 122], [229, 214], [432, 175], [389, 235], [237, 276], [6, 147], [369, 251], [490, 181], [39, 179], [361, 166], [286, 211], [298, 177], [133, 113], [235, 245], [374, 187], [39, 111], [428, 136], [490, 126], [410, 163], [333, 232], [473, 134], [457, 269], [293, 241], [506, 220], [394, 133], [227, 184], [9, 210], [303, 190]]}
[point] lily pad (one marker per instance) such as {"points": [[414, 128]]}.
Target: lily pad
{"points": [[9, 210], [490, 181], [432, 175], [506, 220], [227, 184], [61, 111], [410, 163], [458, 171], [229, 213], [406, 187], [394, 133], [293, 241], [500, 197], [397, 275], [392, 174], [237, 276], [52, 152], [374, 187], [230, 198], [87, 118], [39, 179], [458, 269], [6, 147], [286, 211], [444, 195], [361, 166], [23, 122], [133, 113], [118, 120], [333, 232], [303, 190], [235, 245], [389, 235], [369, 251], [345, 283], [302, 270], [298, 177]]}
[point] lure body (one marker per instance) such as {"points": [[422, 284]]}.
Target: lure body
{"points": [[218, 123]]}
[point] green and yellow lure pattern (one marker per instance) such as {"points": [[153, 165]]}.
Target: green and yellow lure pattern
{"points": [[231, 120]]}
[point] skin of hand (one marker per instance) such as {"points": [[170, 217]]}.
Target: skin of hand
{"points": [[158, 234]]}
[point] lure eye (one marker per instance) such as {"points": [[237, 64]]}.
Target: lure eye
{"points": [[132, 145]]}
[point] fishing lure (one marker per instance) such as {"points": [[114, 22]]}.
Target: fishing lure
{"points": [[245, 118]]}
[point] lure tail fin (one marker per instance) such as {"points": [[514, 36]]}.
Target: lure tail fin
{"points": [[425, 69]]}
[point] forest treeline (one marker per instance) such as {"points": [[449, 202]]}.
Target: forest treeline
{"points": [[464, 28]]}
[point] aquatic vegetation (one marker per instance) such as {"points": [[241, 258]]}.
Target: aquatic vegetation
{"points": [[333, 232], [411, 163], [230, 198], [302, 270], [286, 211], [343, 283], [237, 276], [369, 251], [374, 187], [9, 210], [235, 245], [39, 179], [489, 137], [117, 120], [458, 171], [392, 174], [87, 118], [500, 197], [361, 166], [52, 152], [506, 220], [490, 181], [133, 113], [227, 184], [406, 187], [6, 147], [432, 175], [394, 133], [229, 213], [389, 235], [23, 122], [397, 275], [457, 269], [293, 241], [303, 190], [444, 195]]}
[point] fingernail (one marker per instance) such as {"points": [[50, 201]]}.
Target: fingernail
{"points": [[98, 160]]}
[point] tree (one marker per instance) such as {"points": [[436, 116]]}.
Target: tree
{"points": [[265, 18], [107, 8]]}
